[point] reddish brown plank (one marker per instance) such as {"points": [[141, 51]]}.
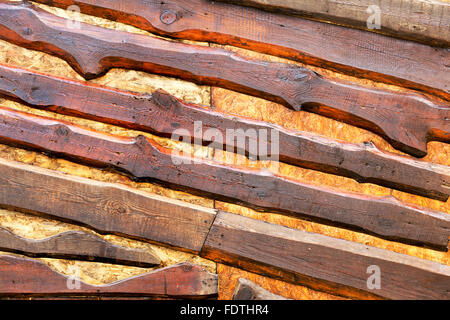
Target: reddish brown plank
{"points": [[105, 207], [162, 114], [247, 290], [76, 245], [407, 120], [89, 298], [143, 159], [425, 21], [354, 52], [323, 263], [27, 277]]}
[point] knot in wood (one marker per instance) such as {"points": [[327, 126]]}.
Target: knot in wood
{"points": [[61, 130], [114, 207], [168, 16], [187, 267], [27, 31], [302, 74]]}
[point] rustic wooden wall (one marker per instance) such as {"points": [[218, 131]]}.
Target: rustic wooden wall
{"points": [[220, 100], [38, 228]]}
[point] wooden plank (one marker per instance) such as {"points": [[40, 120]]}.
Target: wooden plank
{"points": [[105, 207], [163, 114], [350, 51], [323, 263], [406, 120], [426, 21], [89, 298], [76, 245], [27, 277], [145, 160], [247, 290]]}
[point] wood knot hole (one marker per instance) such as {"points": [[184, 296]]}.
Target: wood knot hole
{"points": [[115, 207], [168, 17]]}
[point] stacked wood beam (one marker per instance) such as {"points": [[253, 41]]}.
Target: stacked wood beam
{"points": [[407, 109]]}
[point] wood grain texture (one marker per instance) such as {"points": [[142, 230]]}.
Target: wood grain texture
{"points": [[230, 102], [247, 290], [163, 114], [93, 50], [321, 262], [108, 208], [419, 20], [27, 277], [76, 245], [437, 153], [354, 52], [143, 159]]}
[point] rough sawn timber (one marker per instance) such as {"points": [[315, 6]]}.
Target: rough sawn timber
{"points": [[300, 257], [143, 159], [354, 52], [76, 245], [407, 120], [163, 115], [323, 263], [105, 207], [27, 277], [426, 21]]}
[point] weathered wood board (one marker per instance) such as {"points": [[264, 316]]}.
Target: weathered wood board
{"points": [[163, 115], [230, 102], [105, 207], [323, 263], [294, 86], [353, 52], [76, 245], [26, 277], [419, 20], [241, 241], [143, 158]]}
